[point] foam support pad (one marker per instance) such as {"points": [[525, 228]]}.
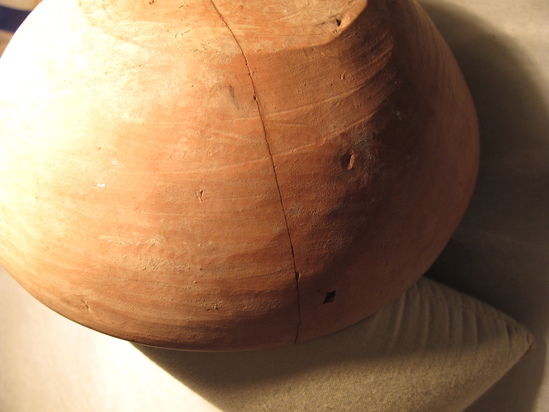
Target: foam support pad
{"points": [[434, 349]]}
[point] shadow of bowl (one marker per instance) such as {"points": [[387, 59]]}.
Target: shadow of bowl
{"points": [[499, 253]]}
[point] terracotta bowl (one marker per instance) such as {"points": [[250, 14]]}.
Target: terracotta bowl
{"points": [[229, 175]]}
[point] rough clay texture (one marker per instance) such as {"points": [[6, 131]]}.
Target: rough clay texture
{"points": [[229, 175]]}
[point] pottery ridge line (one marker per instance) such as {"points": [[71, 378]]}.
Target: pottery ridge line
{"points": [[256, 98]]}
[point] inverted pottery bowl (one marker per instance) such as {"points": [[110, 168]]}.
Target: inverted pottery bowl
{"points": [[229, 175]]}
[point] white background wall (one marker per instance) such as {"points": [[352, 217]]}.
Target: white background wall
{"points": [[500, 254]]}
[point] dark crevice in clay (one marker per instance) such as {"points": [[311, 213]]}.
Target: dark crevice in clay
{"points": [[256, 99], [348, 160], [330, 296]]}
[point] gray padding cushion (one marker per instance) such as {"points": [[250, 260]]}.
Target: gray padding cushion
{"points": [[434, 349]]}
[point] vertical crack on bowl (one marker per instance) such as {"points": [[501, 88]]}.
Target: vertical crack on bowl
{"points": [[261, 118]]}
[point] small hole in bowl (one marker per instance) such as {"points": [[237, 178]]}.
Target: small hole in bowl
{"points": [[330, 296], [348, 160]]}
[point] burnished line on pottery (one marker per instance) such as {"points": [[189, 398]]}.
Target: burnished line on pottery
{"points": [[256, 99]]}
